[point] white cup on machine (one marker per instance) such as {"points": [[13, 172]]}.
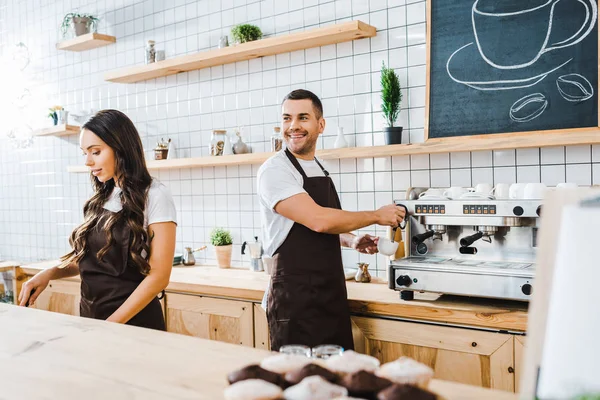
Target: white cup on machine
{"points": [[516, 191], [534, 191], [455, 192], [567, 185], [501, 191], [484, 188], [433, 193]]}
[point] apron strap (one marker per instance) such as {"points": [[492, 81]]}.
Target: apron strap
{"points": [[296, 164]]}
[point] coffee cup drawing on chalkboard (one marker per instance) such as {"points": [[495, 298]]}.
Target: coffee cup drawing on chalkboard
{"points": [[511, 64]]}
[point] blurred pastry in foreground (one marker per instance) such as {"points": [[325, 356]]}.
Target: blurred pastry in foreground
{"points": [[405, 370], [405, 392], [294, 377], [255, 372], [350, 361], [284, 363], [253, 389], [364, 384], [314, 388]]}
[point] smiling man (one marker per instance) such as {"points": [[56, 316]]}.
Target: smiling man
{"points": [[304, 228]]}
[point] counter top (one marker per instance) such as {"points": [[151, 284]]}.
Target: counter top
{"points": [[373, 298], [50, 355]]}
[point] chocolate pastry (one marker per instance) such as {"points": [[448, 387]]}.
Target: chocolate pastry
{"points": [[256, 372], [364, 384], [405, 392], [294, 377]]}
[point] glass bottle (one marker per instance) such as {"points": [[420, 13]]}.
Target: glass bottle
{"points": [[276, 139], [217, 142], [150, 52]]}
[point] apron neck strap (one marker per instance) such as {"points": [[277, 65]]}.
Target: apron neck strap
{"points": [[296, 164]]}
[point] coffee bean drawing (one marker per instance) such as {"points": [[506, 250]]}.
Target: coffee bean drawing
{"points": [[528, 108], [574, 87]]}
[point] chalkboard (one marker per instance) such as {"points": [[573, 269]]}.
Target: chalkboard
{"points": [[506, 66]]}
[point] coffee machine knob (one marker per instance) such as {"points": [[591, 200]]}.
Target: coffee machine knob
{"points": [[518, 211], [538, 211], [527, 289], [404, 280]]}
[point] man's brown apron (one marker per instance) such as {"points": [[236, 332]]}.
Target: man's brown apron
{"points": [[307, 302], [107, 283]]}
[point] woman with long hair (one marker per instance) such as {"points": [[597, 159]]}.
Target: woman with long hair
{"points": [[124, 248]]}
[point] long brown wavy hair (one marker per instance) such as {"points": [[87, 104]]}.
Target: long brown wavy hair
{"points": [[118, 132]]}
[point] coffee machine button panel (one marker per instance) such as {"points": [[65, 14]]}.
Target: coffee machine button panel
{"points": [[479, 209], [430, 209]]}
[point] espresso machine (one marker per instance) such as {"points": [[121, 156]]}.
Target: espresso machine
{"points": [[482, 247]]}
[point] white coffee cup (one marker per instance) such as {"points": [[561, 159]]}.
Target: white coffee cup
{"points": [[534, 191], [516, 191], [567, 185], [386, 247], [483, 188], [501, 191], [432, 192], [455, 192]]}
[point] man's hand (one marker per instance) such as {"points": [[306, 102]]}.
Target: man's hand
{"points": [[365, 244]]}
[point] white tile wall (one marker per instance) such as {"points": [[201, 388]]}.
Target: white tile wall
{"points": [[40, 203]]}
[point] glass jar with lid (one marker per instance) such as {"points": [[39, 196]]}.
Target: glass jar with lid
{"points": [[276, 139], [150, 52], [217, 142]]}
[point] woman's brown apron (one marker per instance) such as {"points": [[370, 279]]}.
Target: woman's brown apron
{"points": [[107, 283], [307, 302]]}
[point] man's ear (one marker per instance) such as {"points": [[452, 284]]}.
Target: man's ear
{"points": [[321, 125]]}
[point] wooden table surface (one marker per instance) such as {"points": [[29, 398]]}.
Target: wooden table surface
{"points": [[46, 355], [373, 298]]}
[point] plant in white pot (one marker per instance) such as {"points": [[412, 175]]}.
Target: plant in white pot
{"points": [[391, 97], [221, 240], [81, 22]]}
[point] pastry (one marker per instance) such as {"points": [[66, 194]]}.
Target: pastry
{"points": [[284, 363], [314, 388], [405, 392], [253, 389], [405, 370], [364, 384], [350, 361], [255, 372], [295, 377]]}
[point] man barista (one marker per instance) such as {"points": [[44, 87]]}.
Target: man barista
{"points": [[303, 227]]}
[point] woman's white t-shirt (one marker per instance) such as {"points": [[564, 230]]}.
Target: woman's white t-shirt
{"points": [[159, 204]]}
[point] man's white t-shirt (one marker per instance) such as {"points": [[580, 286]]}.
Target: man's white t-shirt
{"points": [[159, 204], [278, 180]]}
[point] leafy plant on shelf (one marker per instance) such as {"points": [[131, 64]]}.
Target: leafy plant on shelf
{"points": [[220, 237], [245, 33], [7, 297], [52, 114], [391, 95], [70, 17]]}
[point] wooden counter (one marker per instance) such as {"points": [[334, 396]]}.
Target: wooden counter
{"points": [[370, 299], [49, 355]]}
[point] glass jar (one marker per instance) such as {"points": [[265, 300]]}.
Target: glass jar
{"points": [[217, 142], [325, 351], [298, 349], [150, 52], [276, 139]]}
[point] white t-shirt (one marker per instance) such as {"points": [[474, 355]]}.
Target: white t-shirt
{"points": [[159, 204], [278, 180]]}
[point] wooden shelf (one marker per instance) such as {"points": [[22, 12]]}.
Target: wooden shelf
{"points": [[473, 143], [58, 130], [337, 33], [86, 42]]}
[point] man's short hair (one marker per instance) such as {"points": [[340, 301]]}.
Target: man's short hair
{"points": [[302, 94]]}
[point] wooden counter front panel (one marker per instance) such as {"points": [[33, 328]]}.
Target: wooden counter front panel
{"points": [[61, 296], [460, 355], [519, 360], [228, 321], [262, 339]]}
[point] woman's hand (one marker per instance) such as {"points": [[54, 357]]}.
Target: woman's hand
{"points": [[33, 288]]}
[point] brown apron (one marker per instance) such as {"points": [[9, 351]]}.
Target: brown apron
{"points": [[107, 283], [307, 302]]}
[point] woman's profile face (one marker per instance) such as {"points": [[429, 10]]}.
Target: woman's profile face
{"points": [[98, 156]]}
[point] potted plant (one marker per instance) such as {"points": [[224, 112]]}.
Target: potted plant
{"points": [[58, 115], [221, 240], [81, 23], [245, 33], [391, 97]]}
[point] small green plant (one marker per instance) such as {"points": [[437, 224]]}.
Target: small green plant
{"points": [[52, 114], [7, 297], [68, 20], [245, 33], [391, 95], [220, 237]]}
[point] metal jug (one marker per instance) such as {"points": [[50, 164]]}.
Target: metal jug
{"points": [[256, 252]]}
